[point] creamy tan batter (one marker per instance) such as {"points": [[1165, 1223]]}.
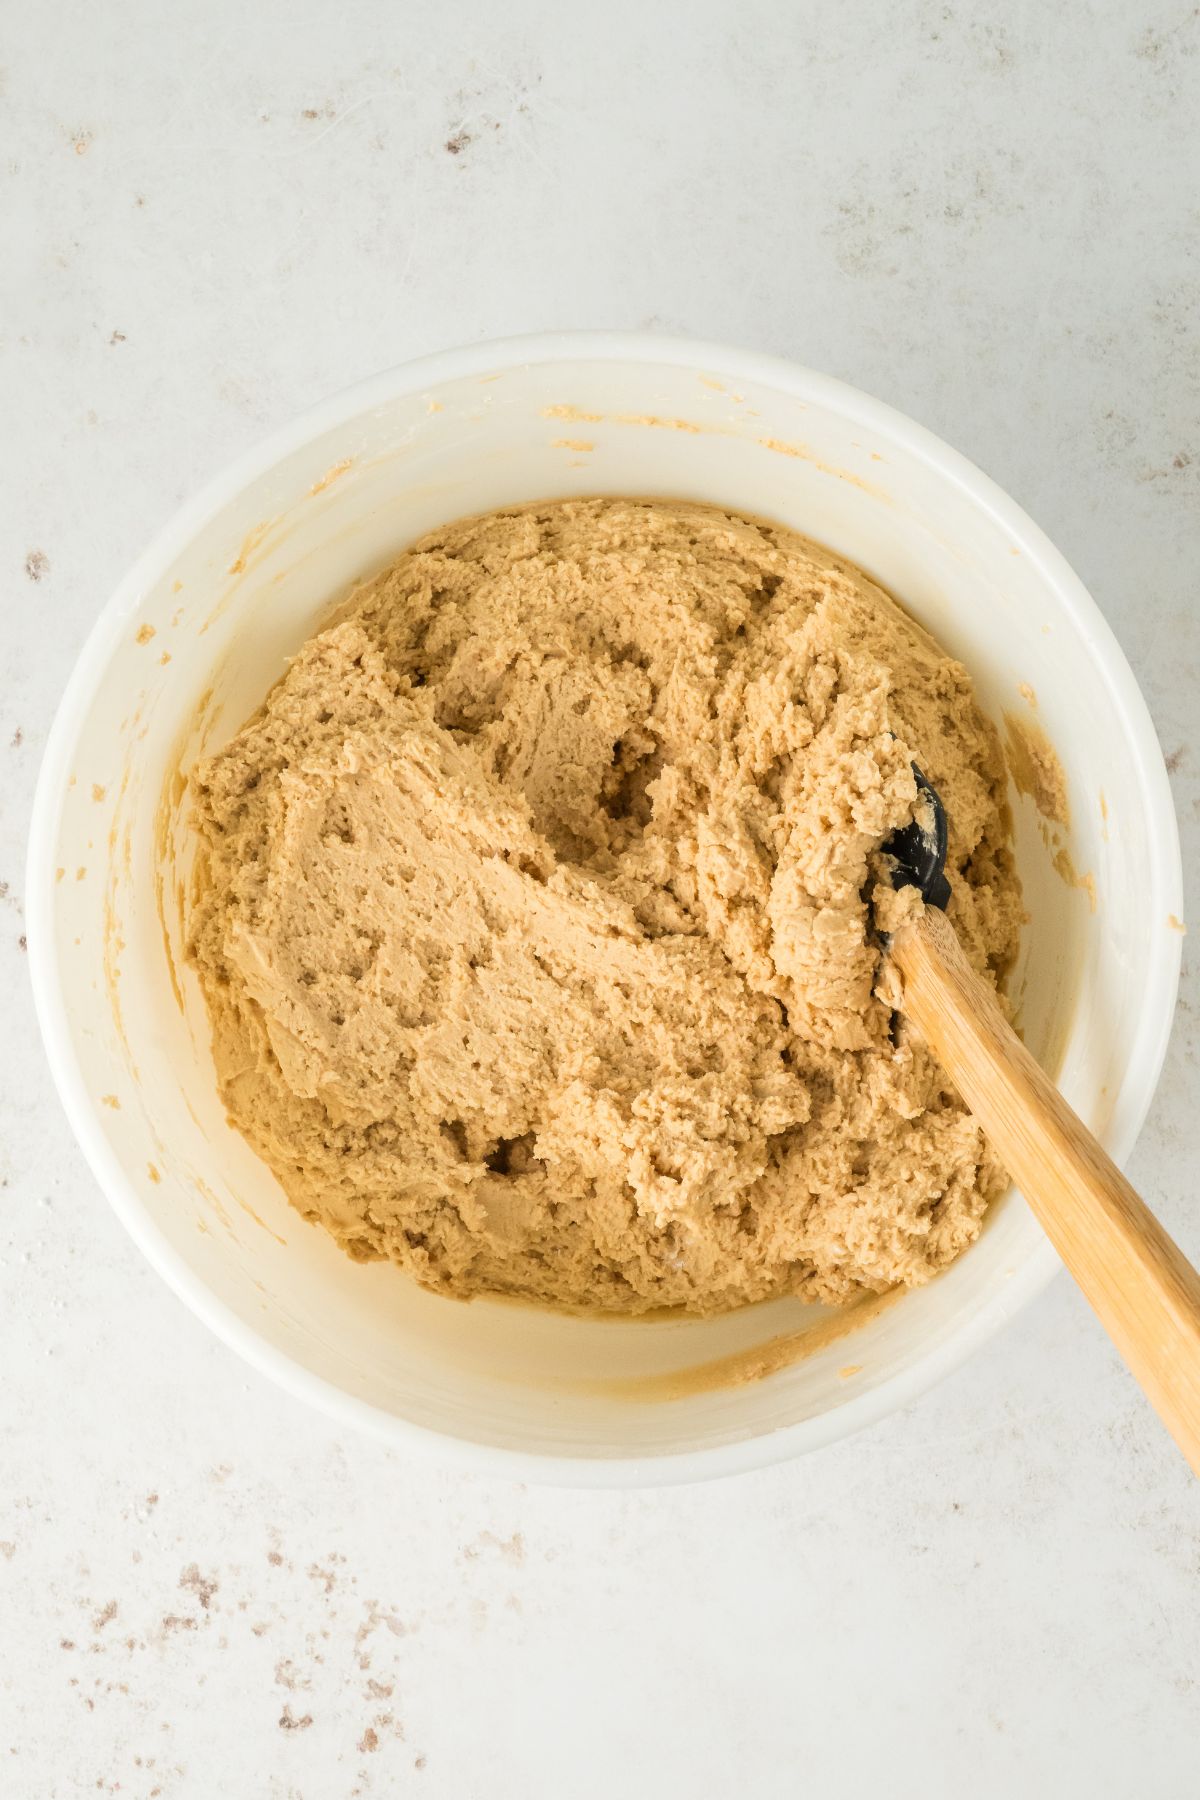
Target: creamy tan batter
{"points": [[535, 916]]}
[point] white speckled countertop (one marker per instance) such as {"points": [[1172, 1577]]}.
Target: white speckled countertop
{"points": [[218, 211]]}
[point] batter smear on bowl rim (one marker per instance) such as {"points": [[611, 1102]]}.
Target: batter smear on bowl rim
{"points": [[535, 906]]}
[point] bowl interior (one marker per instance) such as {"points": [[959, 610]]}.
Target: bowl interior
{"points": [[204, 626]]}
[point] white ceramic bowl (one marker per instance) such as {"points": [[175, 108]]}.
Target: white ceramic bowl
{"points": [[200, 628]]}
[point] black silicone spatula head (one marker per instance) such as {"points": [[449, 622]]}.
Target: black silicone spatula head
{"points": [[919, 850]]}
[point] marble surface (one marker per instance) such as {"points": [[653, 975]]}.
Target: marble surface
{"points": [[216, 212]]}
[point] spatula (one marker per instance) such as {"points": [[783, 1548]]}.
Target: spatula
{"points": [[1135, 1278]]}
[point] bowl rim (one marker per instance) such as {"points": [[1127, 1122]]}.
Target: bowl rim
{"points": [[1164, 884]]}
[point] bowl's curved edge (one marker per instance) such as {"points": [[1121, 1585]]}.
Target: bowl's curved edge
{"points": [[1146, 1056]]}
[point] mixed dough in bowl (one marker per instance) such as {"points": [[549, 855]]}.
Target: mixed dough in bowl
{"points": [[536, 916]]}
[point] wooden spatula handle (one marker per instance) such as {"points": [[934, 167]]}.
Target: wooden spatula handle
{"points": [[1144, 1289]]}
